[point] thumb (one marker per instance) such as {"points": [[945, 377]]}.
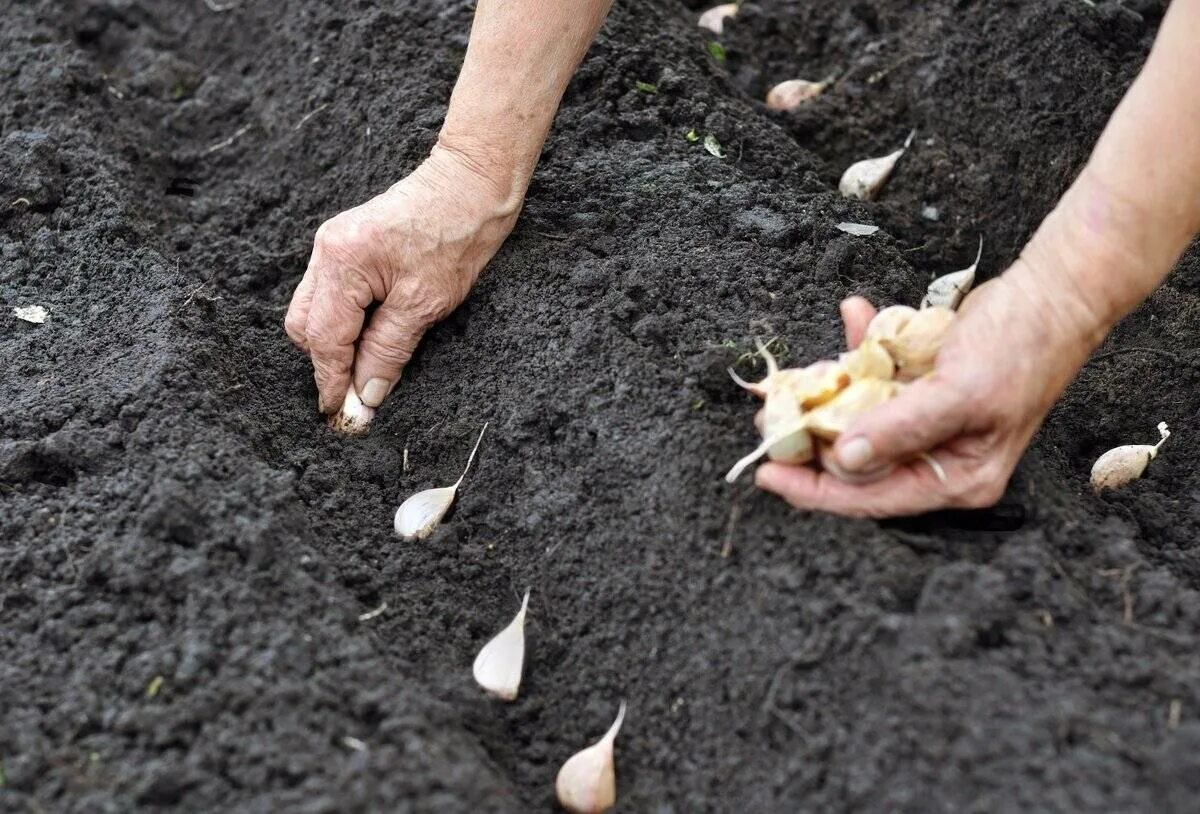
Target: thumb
{"points": [[384, 349], [922, 417]]}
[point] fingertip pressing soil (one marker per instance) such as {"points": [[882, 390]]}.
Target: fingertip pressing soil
{"points": [[187, 552]]}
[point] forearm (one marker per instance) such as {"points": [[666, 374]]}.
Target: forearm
{"points": [[1133, 211], [521, 56]]}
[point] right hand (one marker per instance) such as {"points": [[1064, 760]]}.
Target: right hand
{"points": [[416, 249]]}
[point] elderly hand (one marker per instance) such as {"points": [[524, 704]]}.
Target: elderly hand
{"points": [[416, 250]]}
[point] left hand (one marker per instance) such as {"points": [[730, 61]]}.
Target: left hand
{"points": [[1006, 359]]}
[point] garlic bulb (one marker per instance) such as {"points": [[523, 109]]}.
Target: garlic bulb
{"points": [[587, 782], [714, 18], [790, 94], [499, 664], [354, 416], [1123, 464], [948, 290], [865, 178], [418, 516]]}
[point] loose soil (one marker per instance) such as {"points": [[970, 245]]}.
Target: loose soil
{"points": [[185, 549]]}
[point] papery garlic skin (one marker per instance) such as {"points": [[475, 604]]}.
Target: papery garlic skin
{"points": [[1124, 464], [714, 18], [792, 93], [863, 179], [587, 782], [948, 290], [354, 417], [500, 662]]}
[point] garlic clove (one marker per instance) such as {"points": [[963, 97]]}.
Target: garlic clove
{"points": [[886, 325], [833, 418], [948, 290], [714, 18], [916, 347], [420, 514], [354, 417], [759, 451], [830, 464], [1124, 464], [499, 664], [863, 179], [792, 93], [815, 384], [870, 360], [587, 782], [781, 412]]}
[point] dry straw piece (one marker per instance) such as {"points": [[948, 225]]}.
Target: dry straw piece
{"points": [[714, 18], [587, 782], [418, 516], [865, 178], [499, 664], [948, 290], [1123, 464]]}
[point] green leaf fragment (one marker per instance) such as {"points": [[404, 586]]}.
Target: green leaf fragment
{"points": [[692, 136], [646, 87], [713, 146], [717, 51]]}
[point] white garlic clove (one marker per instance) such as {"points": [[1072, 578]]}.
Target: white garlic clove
{"points": [[834, 417], [870, 360], [499, 664], [714, 18], [863, 179], [886, 325], [354, 417], [1123, 464], [792, 93], [781, 411], [420, 514], [948, 290], [587, 782], [916, 347]]}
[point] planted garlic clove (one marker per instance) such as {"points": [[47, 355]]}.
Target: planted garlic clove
{"points": [[714, 18], [499, 664], [587, 782], [916, 348], [792, 93], [832, 419], [1123, 464], [886, 325], [870, 360], [354, 417], [865, 178], [948, 290], [418, 516], [830, 464]]}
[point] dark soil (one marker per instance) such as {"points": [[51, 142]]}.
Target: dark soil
{"points": [[185, 549]]}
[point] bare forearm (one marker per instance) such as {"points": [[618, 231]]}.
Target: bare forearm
{"points": [[520, 58], [1133, 211]]}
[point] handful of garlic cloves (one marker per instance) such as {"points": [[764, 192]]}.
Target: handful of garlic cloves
{"points": [[807, 409], [1124, 464]]}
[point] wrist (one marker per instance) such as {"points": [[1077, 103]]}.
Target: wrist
{"points": [[495, 181]]}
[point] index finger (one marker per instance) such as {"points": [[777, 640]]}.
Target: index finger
{"points": [[335, 320]]}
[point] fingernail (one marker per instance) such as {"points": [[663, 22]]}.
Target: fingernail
{"points": [[374, 392], [320, 404], [855, 454]]}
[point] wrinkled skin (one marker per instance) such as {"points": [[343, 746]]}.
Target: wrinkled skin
{"points": [[416, 249]]}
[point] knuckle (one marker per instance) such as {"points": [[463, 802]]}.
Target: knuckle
{"points": [[343, 235]]}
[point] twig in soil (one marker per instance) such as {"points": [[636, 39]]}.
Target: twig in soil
{"points": [[221, 145], [371, 614], [1159, 351], [197, 295], [309, 115], [1126, 594], [735, 514], [879, 75], [1174, 712], [213, 5], [24, 201]]}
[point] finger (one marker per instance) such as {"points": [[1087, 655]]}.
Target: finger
{"points": [[857, 314], [335, 321], [759, 418], [927, 413], [296, 321], [385, 348], [908, 490]]}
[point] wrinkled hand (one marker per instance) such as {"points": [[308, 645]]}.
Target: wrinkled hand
{"points": [[1007, 358], [416, 250]]}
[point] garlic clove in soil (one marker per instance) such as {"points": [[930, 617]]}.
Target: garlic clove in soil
{"points": [[916, 347], [948, 290], [420, 514], [714, 18], [1123, 464], [863, 179], [354, 417], [587, 782], [792, 93], [499, 664]]}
